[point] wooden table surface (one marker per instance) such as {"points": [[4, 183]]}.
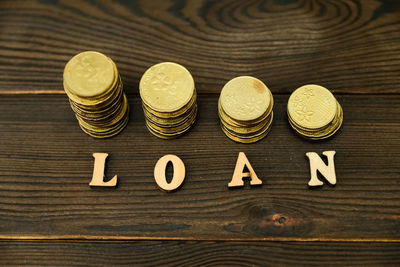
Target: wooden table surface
{"points": [[50, 216]]}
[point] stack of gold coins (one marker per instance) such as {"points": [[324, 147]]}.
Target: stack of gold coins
{"points": [[94, 88], [168, 99], [245, 109], [314, 112]]}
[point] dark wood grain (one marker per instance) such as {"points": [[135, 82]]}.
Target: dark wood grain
{"points": [[349, 46], [199, 254], [50, 216], [46, 166]]}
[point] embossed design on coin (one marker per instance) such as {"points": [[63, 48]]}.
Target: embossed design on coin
{"points": [[308, 92], [162, 82], [166, 87], [245, 98], [304, 114], [89, 74], [85, 68], [312, 106], [298, 102]]}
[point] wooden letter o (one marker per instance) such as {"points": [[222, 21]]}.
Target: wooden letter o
{"points": [[179, 173]]}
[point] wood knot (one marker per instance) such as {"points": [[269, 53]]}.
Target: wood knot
{"points": [[279, 219]]}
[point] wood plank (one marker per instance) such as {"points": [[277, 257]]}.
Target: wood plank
{"points": [[154, 253], [46, 165], [347, 46]]}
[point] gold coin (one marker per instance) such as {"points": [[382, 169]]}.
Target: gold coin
{"points": [[105, 120], [328, 131], [245, 98], [246, 141], [95, 92], [102, 103], [173, 129], [249, 139], [247, 130], [106, 130], [322, 133], [250, 134], [312, 107], [243, 124], [110, 122], [175, 114], [89, 74], [168, 135], [166, 87], [160, 135], [300, 127], [173, 121], [98, 114], [93, 101], [111, 133]]}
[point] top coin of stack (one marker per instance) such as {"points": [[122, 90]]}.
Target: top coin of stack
{"points": [[95, 92], [245, 109], [314, 113], [168, 99]]}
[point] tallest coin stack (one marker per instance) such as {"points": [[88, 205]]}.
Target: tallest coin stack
{"points": [[95, 91]]}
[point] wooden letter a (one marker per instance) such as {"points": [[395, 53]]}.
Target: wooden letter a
{"points": [[238, 174], [316, 164], [98, 171]]}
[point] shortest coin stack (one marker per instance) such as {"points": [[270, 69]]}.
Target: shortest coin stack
{"points": [[169, 99], [245, 109], [95, 92], [314, 113]]}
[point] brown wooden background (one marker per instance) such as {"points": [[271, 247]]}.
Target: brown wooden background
{"points": [[50, 216]]}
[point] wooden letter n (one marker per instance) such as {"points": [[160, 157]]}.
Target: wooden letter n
{"points": [[317, 165]]}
